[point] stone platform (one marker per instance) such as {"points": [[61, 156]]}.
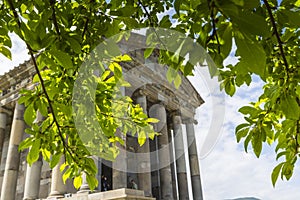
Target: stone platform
{"points": [[119, 194]]}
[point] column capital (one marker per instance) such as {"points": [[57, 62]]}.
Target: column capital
{"points": [[175, 113], [189, 121], [140, 92], [6, 111]]}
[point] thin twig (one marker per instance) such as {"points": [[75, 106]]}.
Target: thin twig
{"points": [[48, 127], [52, 4], [277, 36], [214, 33], [147, 13], [85, 27], [152, 24]]}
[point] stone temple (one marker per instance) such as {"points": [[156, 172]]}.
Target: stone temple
{"points": [[159, 167]]}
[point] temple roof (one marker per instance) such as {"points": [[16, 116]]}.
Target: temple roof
{"points": [[141, 74]]}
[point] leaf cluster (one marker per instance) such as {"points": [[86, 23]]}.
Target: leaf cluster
{"points": [[60, 35]]}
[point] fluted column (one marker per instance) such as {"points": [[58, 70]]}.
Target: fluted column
{"points": [[33, 173], [10, 178], [194, 163], [3, 121], [58, 188], [180, 159], [144, 166], [119, 166], [164, 152], [32, 181]]}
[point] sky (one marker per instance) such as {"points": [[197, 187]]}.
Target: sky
{"points": [[227, 172]]}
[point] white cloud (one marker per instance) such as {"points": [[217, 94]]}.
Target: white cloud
{"points": [[19, 55], [228, 172]]}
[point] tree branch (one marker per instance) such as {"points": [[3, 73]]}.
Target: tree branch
{"points": [[42, 82], [52, 3], [269, 9], [147, 13]]}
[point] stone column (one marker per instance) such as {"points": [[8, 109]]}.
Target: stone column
{"points": [[33, 174], [159, 112], [58, 188], [119, 166], [3, 121], [180, 158], [84, 186], [194, 163], [32, 181], [144, 166], [10, 178]]}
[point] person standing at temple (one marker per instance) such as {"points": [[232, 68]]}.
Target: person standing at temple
{"points": [[134, 185], [105, 184]]}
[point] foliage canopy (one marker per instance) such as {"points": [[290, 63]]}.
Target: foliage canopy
{"points": [[60, 34]]}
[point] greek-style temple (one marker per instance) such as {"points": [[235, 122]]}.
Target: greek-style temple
{"points": [[159, 168]]}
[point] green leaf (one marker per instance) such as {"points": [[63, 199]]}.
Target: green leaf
{"points": [[67, 174], [177, 4], [5, 51], [229, 86], [248, 110], [290, 107], [77, 182], [283, 153], [142, 138], [239, 127], [62, 58], [148, 52], [171, 74], [256, 142], [241, 133], [48, 40], [246, 142], [275, 173], [293, 17], [92, 181], [91, 163], [55, 159], [26, 143], [75, 45], [253, 56], [34, 152], [227, 37], [117, 69], [43, 107], [30, 114], [152, 120], [177, 81], [252, 23]]}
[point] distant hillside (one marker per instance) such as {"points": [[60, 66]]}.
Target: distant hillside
{"points": [[246, 198]]}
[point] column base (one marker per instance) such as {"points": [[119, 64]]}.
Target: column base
{"points": [[197, 188], [55, 195], [148, 194], [119, 194], [85, 190]]}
